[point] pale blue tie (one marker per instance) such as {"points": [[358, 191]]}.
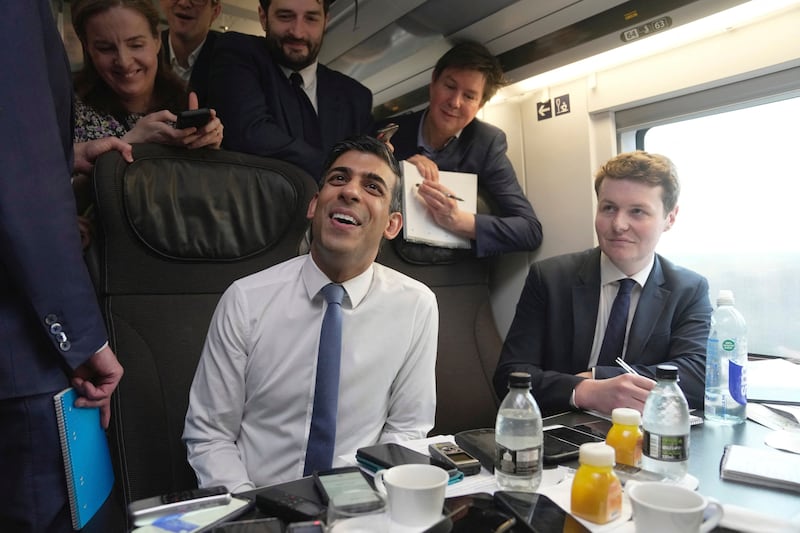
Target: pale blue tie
{"points": [[614, 339], [322, 436]]}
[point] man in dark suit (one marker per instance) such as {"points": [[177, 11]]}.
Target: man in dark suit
{"points": [[263, 112], [447, 136], [51, 330], [188, 43], [560, 323]]}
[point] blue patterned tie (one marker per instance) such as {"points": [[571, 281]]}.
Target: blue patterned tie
{"points": [[322, 436], [614, 339]]}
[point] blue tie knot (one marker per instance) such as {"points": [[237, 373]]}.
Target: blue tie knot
{"points": [[626, 285], [333, 293]]}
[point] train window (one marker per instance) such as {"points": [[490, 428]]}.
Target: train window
{"points": [[738, 222]]}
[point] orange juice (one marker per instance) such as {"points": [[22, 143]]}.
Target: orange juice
{"points": [[596, 491], [625, 436]]}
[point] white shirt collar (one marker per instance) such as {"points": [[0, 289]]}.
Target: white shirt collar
{"points": [[184, 73], [609, 273], [355, 288]]}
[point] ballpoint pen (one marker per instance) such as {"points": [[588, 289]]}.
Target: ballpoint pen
{"points": [[625, 366], [453, 196]]}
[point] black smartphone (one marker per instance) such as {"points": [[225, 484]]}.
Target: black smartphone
{"points": [[537, 513], [149, 509], [562, 443], [391, 454], [385, 133], [348, 487], [193, 118], [256, 525]]}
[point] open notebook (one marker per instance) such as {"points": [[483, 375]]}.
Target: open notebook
{"points": [[418, 224]]}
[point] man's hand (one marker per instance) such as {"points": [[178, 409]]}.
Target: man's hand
{"points": [[604, 395], [95, 380], [87, 152]]}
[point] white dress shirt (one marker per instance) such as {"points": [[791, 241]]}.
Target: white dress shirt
{"points": [[251, 400]]}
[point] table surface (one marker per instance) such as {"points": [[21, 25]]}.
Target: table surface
{"points": [[707, 442]]}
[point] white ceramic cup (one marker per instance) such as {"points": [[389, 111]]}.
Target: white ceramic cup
{"points": [[415, 493], [664, 508]]}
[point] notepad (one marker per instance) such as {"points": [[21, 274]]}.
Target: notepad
{"points": [[761, 466], [87, 461], [418, 224]]}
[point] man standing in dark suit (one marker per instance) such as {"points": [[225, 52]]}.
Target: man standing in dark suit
{"points": [[447, 136], [188, 43], [558, 331], [51, 330], [263, 112]]}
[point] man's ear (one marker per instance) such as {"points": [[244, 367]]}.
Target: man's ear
{"points": [[394, 225], [670, 220], [262, 18], [216, 9], [312, 207]]}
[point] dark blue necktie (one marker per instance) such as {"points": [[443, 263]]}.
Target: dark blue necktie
{"points": [[322, 436], [310, 122], [614, 339]]}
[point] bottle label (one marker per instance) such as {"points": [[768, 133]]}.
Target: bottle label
{"points": [[523, 462], [737, 382], [670, 448]]}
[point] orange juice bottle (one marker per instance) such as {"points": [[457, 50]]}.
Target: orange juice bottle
{"points": [[596, 490], [625, 436]]}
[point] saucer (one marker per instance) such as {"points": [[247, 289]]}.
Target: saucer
{"points": [[373, 523]]}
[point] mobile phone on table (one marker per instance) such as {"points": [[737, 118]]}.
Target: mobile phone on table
{"points": [[147, 510], [256, 525], [450, 453], [312, 526], [562, 443], [391, 454], [193, 118], [385, 133], [348, 487], [537, 513]]}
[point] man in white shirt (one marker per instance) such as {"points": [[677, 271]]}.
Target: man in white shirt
{"points": [[250, 405], [188, 43]]}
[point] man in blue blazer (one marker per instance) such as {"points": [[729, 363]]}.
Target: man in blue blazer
{"points": [[561, 317], [188, 44], [51, 330], [253, 96], [447, 136]]}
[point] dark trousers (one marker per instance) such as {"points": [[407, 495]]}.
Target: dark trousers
{"points": [[33, 487]]}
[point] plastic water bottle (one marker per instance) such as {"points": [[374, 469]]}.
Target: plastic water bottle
{"points": [[726, 364], [518, 438], [665, 421]]}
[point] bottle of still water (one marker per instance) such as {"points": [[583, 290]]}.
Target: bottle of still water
{"points": [[665, 424], [726, 364], [518, 438]]}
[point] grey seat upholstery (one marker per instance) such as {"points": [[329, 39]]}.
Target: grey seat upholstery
{"points": [[469, 343], [176, 227]]}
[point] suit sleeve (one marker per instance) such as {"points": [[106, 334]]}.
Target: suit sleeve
{"points": [[39, 233], [515, 227], [241, 91], [525, 346]]}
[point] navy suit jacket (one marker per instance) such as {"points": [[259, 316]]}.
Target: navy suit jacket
{"points": [[45, 289], [257, 105], [201, 70], [552, 332], [481, 149]]}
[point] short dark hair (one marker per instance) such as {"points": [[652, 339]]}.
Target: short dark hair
{"points": [[643, 167], [369, 145], [471, 55], [326, 5]]}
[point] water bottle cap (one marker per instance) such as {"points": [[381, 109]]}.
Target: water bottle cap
{"points": [[519, 379], [596, 454], [667, 372], [626, 416], [725, 297]]}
